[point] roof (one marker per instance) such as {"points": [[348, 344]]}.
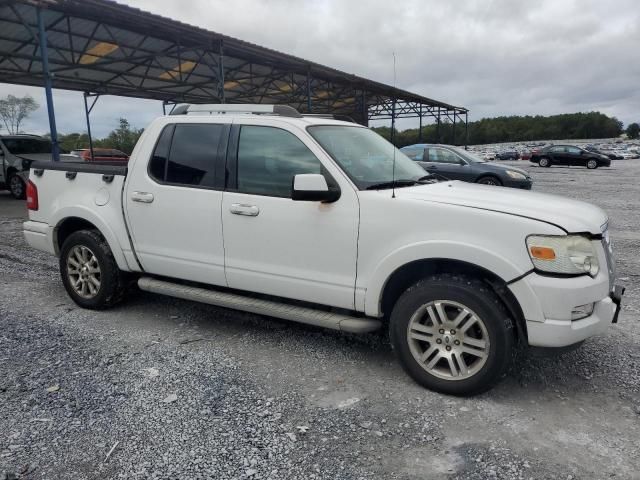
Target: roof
{"points": [[104, 47]]}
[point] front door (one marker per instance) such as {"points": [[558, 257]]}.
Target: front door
{"points": [[274, 245], [446, 163], [173, 204]]}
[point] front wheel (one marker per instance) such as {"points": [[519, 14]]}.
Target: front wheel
{"points": [[17, 187], [452, 334], [592, 164], [89, 271], [544, 162], [490, 180]]}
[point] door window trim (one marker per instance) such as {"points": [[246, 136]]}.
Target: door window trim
{"points": [[218, 158]]}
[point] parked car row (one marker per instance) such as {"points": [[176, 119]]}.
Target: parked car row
{"points": [[615, 149]]}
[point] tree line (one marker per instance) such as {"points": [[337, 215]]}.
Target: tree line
{"points": [[516, 128], [123, 138]]}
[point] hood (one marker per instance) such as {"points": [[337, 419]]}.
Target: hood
{"points": [[570, 215], [503, 168]]}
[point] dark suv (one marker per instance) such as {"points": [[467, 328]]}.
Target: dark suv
{"points": [[569, 155], [457, 164]]}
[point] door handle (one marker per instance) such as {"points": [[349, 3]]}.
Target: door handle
{"points": [[142, 197], [242, 209]]}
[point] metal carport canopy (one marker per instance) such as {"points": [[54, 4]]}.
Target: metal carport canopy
{"points": [[104, 47]]}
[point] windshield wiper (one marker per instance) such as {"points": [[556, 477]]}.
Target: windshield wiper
{"points": [[397, 183]]}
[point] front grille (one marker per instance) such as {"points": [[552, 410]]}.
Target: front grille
{"points": [[608, 253]]}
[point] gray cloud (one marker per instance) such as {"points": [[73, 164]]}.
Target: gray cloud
{"points": [[496, 57]]}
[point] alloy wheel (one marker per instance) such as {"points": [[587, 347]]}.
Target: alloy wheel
{"points": [[84, 271], [448, 340], [16, 186]]}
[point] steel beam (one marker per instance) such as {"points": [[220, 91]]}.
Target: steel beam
{"points": [[466, 130], [44, 57], [87, 111]]}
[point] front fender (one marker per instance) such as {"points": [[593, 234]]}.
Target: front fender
{"points": [[435, 250], [84, 213]]}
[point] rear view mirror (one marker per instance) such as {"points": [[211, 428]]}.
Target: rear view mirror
{"points": [[312, 187]]}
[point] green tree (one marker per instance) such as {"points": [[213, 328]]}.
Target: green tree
{"points": [[633, 130], [513, 129], [14, 110], [123, 138]]}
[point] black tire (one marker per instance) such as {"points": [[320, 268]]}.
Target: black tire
{"points": [[112, 281], [16, 185], [490, 180], [592, 164], [545, 162], [481, 301]]}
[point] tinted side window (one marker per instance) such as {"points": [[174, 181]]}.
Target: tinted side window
{"points": [[558, 149], [414, 153], [193, 154], [441, 155], [573, 150], [158, 162], [268, 159]]}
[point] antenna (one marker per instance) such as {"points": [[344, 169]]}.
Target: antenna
{"points": [[393, 111]]}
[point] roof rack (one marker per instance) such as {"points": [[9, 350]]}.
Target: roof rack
{"points": [[281, 110], [332, 116]]}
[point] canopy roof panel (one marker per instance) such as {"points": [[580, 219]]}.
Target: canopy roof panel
{"points": [[104, 47]]}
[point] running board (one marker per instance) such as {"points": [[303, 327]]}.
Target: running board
{"points": [[320, 318]]}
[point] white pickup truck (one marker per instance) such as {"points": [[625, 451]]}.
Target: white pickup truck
{"points": [[261, 209]]}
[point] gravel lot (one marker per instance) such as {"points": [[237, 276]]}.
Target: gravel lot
{"points": [[163, 388]]}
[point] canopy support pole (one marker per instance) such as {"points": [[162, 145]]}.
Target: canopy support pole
{"points": [[420, 127], [44, 56], [466, 130], [87, 111], [221, 73]]}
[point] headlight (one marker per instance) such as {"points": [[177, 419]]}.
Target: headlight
{"points": [[569, 255], [516, 175]]}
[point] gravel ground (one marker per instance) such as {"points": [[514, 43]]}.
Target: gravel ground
{"points": [[168, 389]]}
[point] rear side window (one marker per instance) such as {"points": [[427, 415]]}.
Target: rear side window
{"points": [[269, 158], [414, 153], [185, 154]]}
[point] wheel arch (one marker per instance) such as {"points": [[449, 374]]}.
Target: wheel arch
{"points": [[67, 225], [409, 273]]}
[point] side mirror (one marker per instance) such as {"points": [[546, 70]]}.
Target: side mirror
{"points": [[312, 187]]}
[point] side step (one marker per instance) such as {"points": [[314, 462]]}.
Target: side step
{"points": [[335, 321]]}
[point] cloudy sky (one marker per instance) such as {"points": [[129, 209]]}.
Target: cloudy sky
{"points": [[496, 57]]}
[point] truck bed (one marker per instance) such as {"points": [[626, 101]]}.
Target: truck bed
{"points": [[91, 191]]}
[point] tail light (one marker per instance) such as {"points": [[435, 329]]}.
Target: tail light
{"points": [[32, 196]]}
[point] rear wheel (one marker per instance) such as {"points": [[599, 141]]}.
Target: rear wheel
{"points": [[89, 271], [452, 334], [16, 186], [490, 180], [592, 164], [545, 162]]}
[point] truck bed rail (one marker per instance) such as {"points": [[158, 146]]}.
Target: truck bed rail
{"points": [[104, 168]]}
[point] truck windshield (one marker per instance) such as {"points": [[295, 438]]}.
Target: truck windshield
{"points": [[366, 157], [26, 146]]}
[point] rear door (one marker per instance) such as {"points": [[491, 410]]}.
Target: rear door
{"points": [[173, 202], [557, 155], [574, 156]]}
